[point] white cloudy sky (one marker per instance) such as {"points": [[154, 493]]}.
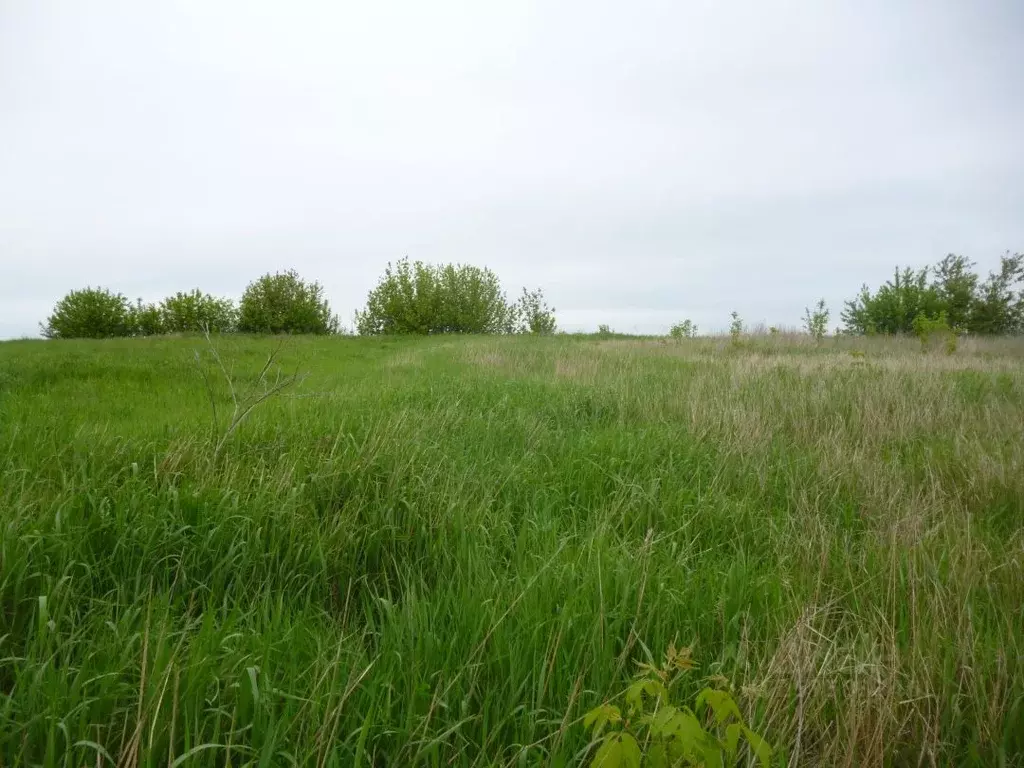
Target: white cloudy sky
{"points": [[641, 161]]}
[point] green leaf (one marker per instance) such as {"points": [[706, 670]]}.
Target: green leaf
{"points": [[630, 751], [759, 746], [732, 738], [658, 756], [688, 730], [645, 687], [713, 756], [661, 722], [721, 704], [599, 717], [619, 750]]}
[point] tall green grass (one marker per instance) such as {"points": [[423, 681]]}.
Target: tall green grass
{"points": [[445, 551]]}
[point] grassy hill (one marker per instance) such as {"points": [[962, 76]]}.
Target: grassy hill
{"points": [[444, 551]]}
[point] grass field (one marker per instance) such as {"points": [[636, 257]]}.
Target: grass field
{"points": [[444, 551]]}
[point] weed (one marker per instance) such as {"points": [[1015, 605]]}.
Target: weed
{"points": [[656, 732]]}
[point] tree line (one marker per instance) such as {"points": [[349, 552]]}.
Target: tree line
{"points": [[410, 298], [419, 298], [950, 294]]}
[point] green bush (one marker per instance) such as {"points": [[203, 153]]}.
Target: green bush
{"points": [[90, 313], [816, 322], [285, 303], [934, 332], [197, 311], [419, 298], [735, 327], [683, 330], [533, 314], [991, 306], [146, 319]]}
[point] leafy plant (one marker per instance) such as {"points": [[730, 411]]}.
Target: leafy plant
{"points": [[604, 330], [418, 298], [146, 319], [816, 322], [90, 313], [935, 331], [998, 305], [195, 312], [534, 315], [735, 327], [683, 330], [658, 733], [992, 306], [773, 330], [285, 303]]}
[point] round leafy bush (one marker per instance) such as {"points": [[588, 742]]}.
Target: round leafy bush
{"points": [[90, 313], [285, 303]]}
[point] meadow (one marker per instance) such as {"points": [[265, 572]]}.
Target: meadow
{"points": [[444, 551]]}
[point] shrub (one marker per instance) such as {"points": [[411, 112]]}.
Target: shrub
{"points": [[285, 303], [683, 330], [992, 306], [998, 305], [934, 332], [90, 313], [533, 315], [197, 311], [604, 330], [146, 319], [418, 298], [816, 323], [735, 327], [657, 732]]}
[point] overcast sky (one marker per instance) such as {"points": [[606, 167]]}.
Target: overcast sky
{"points": [[642, 162]]}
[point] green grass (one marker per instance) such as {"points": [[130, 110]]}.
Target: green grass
{"points": [[445, 551]]}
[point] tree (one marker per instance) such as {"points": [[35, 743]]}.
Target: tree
{"points": [[285, 303], [683, 330], [534, 315], [196, 311], [956, 292], [955, 286], [146, 319], [893, 308], [418, 298], [998, 306], [816, 322], [90, 313]]}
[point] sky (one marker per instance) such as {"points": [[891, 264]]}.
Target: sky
{"points": [[641, 162]]}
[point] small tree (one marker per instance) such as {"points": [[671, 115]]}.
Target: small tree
{"points": [[935, 331], [533, 313], [735, 327], [146, 319], [955, 286], [90, 313], [418, 298], [998, 305], [683, 330], [285, 303], [195, 312], [893, 308], [816, 323]]}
